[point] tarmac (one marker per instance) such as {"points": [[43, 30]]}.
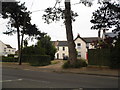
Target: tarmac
{"points": [[90, 70]]}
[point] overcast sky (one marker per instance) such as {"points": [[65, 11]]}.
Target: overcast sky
{"points": [[56, 30]]}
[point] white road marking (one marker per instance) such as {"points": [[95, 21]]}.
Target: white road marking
{"points": [[11, 80]]}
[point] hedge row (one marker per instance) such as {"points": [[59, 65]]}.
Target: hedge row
{"points": [[9, 59], [37, 60], [99, 57]]}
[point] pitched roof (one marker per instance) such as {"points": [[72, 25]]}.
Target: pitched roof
{"points": [[111, 34], [62, 43], [8, 46], [65, 43], [90, 39]]}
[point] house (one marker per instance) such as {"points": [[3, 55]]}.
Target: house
{"points": [[110, 34], [82, 46], [6, 49]]}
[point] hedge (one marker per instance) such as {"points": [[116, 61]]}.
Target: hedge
{"points": [[99, 57], [37, 60], [79, 63], [9, 59]]}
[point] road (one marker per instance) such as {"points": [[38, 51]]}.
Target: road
{"points": [[16, 78]]}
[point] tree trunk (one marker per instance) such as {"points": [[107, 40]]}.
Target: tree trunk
{"points": [[69, 33], [20, 60], [18, 36], [24, 23]]}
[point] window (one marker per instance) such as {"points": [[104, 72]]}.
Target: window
{"points": [[63, 55], [78, 45], [57, 55], [63, 48], [4, 50], [79, 54]]}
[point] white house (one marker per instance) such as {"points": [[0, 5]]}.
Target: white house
{"points": [[6, 49], [82, 45]]}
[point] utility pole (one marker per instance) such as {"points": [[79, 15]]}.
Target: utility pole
{"points": [[69, 33]]}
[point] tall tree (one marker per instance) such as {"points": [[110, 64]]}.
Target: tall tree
{"points": [[19, 22], [54, 14], [105, 17], [14, 12], [69, 33]]}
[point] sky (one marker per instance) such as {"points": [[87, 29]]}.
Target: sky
{"points": [[55, 30]]}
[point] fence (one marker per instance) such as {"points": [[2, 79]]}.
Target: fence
{"points": [[99, 57]]}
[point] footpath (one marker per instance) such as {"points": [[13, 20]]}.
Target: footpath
{"points": [[90, 70]]}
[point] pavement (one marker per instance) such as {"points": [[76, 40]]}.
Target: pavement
{"points": [[90, 70]]}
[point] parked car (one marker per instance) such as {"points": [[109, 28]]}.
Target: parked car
{"points": [[65, 58]]}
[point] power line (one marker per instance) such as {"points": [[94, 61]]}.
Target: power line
{"points": [[32, 4]]}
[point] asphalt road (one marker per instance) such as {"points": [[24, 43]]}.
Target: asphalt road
{"points": [[16, 78]]}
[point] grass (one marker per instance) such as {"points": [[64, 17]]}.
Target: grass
{"points": [[55, 62]]}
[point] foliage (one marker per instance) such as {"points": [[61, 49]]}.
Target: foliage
{"points": [[115, 57], [48, 46], [25, 43], [100, 57], [106, 43], [55, 14], [9, 59], [10, 55], [43, 47], [33, 50], [106, 17], [39, 60], [78, 64]]}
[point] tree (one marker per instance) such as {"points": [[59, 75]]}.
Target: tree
{"points": [[105, 17], [44, 46], [48, 46], [55, 14], [19, 22]]}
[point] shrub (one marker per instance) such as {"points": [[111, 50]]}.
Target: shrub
{"points": [[115, 59], [78, 64], [9, 59], [10, 55], [25, 58], [37, 60]]}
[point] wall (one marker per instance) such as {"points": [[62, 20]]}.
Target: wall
{"points": [[61, 52], [2, 45], [5, 51], [82, 49]]}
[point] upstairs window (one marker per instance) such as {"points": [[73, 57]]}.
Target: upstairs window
{"points": [[78, 45]]}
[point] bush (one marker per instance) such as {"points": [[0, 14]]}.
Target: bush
{"points": [[9, 59], [78, 64], [10, 55], [115, 59], [37, 60], [25, 58]]}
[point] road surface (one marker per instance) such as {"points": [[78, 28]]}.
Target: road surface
{"points": [[16, 78]]}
